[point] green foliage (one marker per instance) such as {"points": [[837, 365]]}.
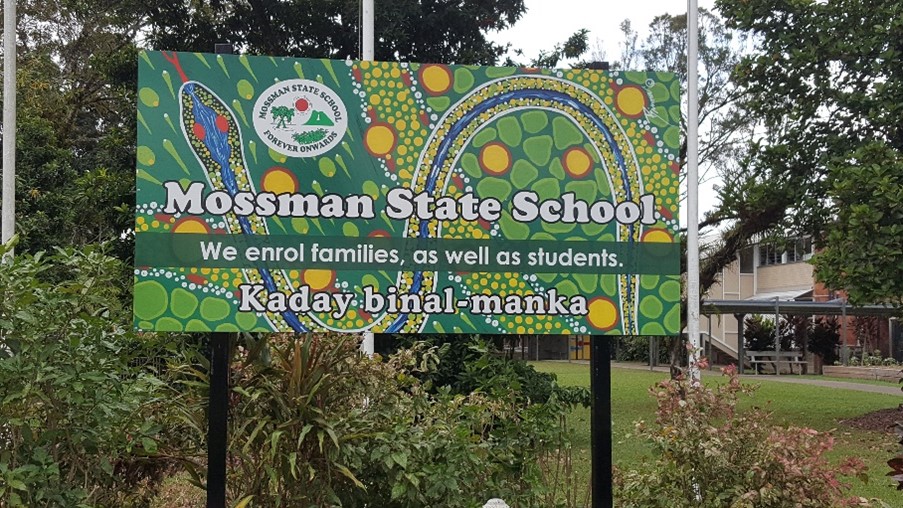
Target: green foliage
{"points": [[636, 349], [447, 32], [321, 425], [793, 332], [758, 334], [711, 454], [574, 47], [824, 339], [867, 190], [469, 364], [825, 82], [75, 143], [78, 423]]}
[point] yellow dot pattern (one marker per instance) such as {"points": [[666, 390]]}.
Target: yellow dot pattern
{"points": [[621, 183], [239, 167], [395, 96]]}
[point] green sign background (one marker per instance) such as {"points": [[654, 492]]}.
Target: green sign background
{"points": [[222, 138]]}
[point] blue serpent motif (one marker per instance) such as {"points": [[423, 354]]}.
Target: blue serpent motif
{"points": [[217, 142], [455, 130]]}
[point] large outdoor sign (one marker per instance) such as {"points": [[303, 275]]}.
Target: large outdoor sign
{"points": [[294, 195]]}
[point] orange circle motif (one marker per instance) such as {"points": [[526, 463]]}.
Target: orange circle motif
{"points": [[577, 162], [495, 159], [279, 180], [318, 280], [602, 313], [631, 101], [436, 79], [657, 235], [191, 225], [380, 139]]}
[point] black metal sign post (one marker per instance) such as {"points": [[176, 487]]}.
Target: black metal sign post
{"points": [[600, 421], [217, 420], [218, 406]]}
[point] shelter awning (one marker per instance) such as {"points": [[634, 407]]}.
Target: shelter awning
{"points": [[790, 294], [832, 308]]}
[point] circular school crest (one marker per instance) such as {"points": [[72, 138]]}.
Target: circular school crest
{"points": [[300, 118]]}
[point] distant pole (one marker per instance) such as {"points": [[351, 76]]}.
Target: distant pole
{"points": [[844, 347], [9, 123], [368, 42], [693, 187]]}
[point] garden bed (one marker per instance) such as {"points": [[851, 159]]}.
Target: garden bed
{"points": [[891, 374]]}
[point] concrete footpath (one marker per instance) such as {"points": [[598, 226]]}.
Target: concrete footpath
{"points": [[888, 389]]}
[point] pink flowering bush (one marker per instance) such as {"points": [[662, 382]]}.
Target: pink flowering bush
{"points": [[710, 454]]}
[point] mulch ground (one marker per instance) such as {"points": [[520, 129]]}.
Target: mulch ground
{"points": [[883, 420]]}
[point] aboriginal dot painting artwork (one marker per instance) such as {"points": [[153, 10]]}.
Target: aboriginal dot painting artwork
{"points": [[282, 194]]}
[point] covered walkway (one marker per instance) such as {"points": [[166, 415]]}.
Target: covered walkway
{"points": [[740, 308]]}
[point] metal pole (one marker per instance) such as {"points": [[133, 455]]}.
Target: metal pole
{"points": [[600, 384], [777, 336], [890, 338], [9, 123], [218, 420], [652, 353], [218, 406], [741, 346], [368, 43], [693, 187], [845, 349]]}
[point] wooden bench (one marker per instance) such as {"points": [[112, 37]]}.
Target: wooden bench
{"points": [[776, 359]]}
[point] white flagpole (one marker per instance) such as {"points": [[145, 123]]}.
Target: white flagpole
{"points": [[693, 187], [9, 123], [367, 30], [368, 42]]}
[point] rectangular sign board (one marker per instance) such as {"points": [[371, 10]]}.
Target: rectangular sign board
{"points": [[282, 194]]}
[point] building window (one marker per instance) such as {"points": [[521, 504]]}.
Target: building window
{"points": [[770, 254], [747, 260], [791, 251], [802, 249]]}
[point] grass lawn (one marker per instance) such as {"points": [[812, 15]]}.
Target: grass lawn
{"points": [[792, 404]]}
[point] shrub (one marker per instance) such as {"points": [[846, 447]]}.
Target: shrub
{"points": [[709, 454], [636, 349], [758, 333], [322, 425], [78, 423], [468, 363], [824, 338]]}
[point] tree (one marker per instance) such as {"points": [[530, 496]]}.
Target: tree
{"points": [[75, 147], [864, 245], [725, 128], [427, 31], [725, 131], [78, 72], [574, 47], [826, 86]]}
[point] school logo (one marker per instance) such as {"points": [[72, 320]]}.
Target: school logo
{"points": [[300, 118]]}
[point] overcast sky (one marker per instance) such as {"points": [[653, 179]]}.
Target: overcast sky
{"points": [[549, 22]]}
